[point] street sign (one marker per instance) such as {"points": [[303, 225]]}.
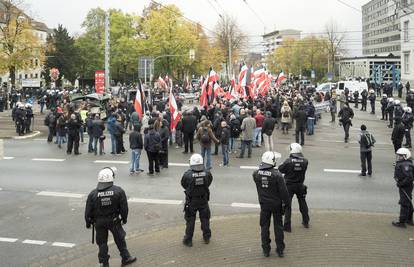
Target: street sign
{"points": [[144, 67], [330, 76], [100, 81]]}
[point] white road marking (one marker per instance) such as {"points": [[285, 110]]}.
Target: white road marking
{"points": [[341, 171], [8, 158], [179, 164], [49, 160], [155, 201], [111, 162], [245, 205], [34, 242], [65, 245], [8, 240], [249, 167], [40, 139], [59, 194]]}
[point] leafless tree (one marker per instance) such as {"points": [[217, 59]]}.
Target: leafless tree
{"points": [[334, 44]]}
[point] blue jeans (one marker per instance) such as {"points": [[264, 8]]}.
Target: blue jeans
{"points": [[245, 143], [257, 136], [113, 143], [233, 141], [90, 146], [135, 157], [81, 133], [59, 140], [225, 152], [206, 154], [95, 146], [310, 125]]}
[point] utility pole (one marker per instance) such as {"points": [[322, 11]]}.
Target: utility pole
{"points": [[230, 74], [107, 51]]}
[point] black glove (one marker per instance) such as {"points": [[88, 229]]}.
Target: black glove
{"points": [[88, 225], [124, 221]]}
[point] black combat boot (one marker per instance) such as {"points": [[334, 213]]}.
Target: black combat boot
{"points": [[128, 260]]}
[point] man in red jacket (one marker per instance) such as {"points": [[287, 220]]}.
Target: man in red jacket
{"points": [[257, 137]]}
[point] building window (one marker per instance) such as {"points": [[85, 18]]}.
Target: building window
{"points": [[36, 62], [36, 75], [406, 24], [407, 62], [25, 76]]}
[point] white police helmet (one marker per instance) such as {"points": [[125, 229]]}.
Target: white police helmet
{"points": [[384, 96], [196, 162], [397, 102], [404, 152], [269, 159], [409, 110], [295, 148], [371, 91], [390, 99], [107, 175]]}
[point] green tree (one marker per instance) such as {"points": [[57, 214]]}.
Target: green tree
{"points": [[18, 44], [61, 53]]}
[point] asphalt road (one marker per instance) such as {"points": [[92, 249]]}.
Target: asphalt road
{"points": [[43, 190]]}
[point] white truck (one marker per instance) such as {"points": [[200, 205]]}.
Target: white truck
{"points": [[352, 87]]}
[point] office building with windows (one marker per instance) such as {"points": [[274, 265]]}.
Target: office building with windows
{"points": [[407, 41]]}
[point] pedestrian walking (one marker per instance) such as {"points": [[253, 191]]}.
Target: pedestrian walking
{"points": [[267, 130], [152, 144], [366, 141], [206, 136], [301, 119], [98, 128], [286, 112], [189, 128], [247, 127], [136, 145], [106, 208], [196, 182], [403, 176], [224, 141], [333, 108], [346, 114], [257, 135], [273, 199], [294, 170], [235, 128], [73, 125]]}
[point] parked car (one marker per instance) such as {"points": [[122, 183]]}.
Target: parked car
{"points": [[352, 87]]}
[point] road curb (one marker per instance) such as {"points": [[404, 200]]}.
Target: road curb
{"points": [[34, 134]]}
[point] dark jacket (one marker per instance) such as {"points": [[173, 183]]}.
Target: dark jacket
{"points": [[118, 129], [196, 186], [106, 204], [135, 140], [164, 135], [225, 135], [294, 168], [398, 132], [403, 173], [346, 114], [73, 127], [271, 189], [301, 119], [152, 141], [189, 124], [235, 128], [98, 128]]}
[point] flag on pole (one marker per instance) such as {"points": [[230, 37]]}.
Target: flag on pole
{"points": [[139, 100], [280, 78], [175, 115]]}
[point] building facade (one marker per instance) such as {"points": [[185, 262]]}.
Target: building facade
{"points": [[273, 40], [381, 28], [407, 41], [375, 68], [32, 75]]}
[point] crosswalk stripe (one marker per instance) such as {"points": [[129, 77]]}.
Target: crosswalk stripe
{"points": [[111, 162], [59, 194], [34, 242], [249, 167], [65, 245], [179, 164], [49, 160], [8, 240], [341, 171], [155, 201], [245, 205], [8, 158]]}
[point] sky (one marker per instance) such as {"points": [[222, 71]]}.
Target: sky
{"points": [[255, 17]]}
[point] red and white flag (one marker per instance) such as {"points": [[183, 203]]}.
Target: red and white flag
{"points": [[203, 95], [139, 100], [280, 78], [175, 115], [243, 76]]}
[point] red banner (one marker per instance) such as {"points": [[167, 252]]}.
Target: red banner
{"points": [[100, 81]]}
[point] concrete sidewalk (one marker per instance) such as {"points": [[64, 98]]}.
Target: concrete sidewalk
{"points": [[335, 238]]}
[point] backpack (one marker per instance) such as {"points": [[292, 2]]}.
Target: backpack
{"points": [[286, 114], [368, 140], [205, 138]]}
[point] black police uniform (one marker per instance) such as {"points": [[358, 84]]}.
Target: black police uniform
{"points": [[404, 176], [407, 120], [20, 117], [273, 195], [294, 168], [196, 184], [106, 207]]}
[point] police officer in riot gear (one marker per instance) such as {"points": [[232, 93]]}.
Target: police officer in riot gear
{"points": [[196, 182], [407, 120], [403, 175], [273, 199], [107, 208], [294, 168]]}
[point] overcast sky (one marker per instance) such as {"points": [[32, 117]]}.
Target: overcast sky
{"points": [[305, 15]]}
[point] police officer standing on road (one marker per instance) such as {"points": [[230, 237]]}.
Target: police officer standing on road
{"points": [[273, 199], [371, 99], [196, 182], [403, 175], [294, 168], [407, 120], [106, 207]]}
